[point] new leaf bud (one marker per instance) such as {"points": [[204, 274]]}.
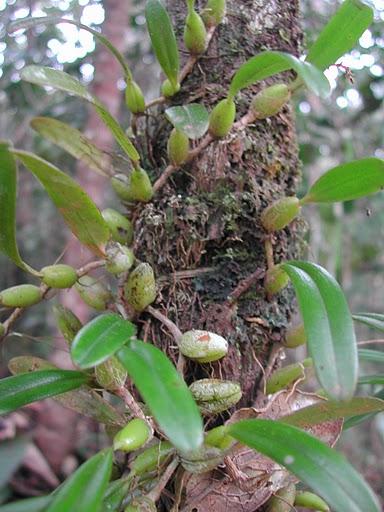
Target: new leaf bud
{"points": [[283, 499], [139, 186], [203, 346], [276, 279], [111, 375], [140, 288], [214, 12], [177, 147], [215, 395], [280, 213], [119, 258], [295, 336], [270, 100], [195, 33], [59, 276], [93, 292], [120, 227], [168, 90], [312, 501], [134, 98], [222, 118], [284, 377], [132, 436], [21, 296]]}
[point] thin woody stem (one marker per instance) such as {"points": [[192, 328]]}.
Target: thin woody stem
{"points": [[155, 493], [131, 403], [171, 326]]}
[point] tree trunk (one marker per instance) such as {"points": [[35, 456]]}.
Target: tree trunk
{"points": [[202, 233], [206, 219]]}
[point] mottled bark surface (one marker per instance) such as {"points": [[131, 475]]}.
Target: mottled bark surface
{"points": [[206, 219]]}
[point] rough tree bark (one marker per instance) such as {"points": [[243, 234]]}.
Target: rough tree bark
{"points": [[206, 219]]}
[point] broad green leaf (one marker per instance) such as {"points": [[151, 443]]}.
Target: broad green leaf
{"points": [[192, 119], [15, 392], [373, 320], [27, 23], [269, 63], [83, 400], [356, 420], [78, 210], [49, 77], [100, 338], [328, 410], [375, 356], [371, 379], [84, 490], [30, 505], [328, 326], [11, 454], [347, 181], [327, 472], [165, 393], [163, 39], [74, 142], [341, 33], [8, 188]]}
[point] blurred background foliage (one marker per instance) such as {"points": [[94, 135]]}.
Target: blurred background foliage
{"points": [[346, 239]]}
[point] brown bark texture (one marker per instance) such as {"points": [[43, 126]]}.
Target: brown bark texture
{"points": [[206, 220]]}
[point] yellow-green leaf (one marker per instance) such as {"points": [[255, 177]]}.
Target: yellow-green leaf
{"points": [[78, 210]]}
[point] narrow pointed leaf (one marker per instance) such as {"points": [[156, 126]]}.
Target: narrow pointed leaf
{"points": [[8, 188], [84, 490], [329, 410], [15, 392], [375, 356], [78, 210], [27, 23], [341, 33], [83, 400], [373, 320], [192, 119], [49, 77], [11, 454], [327, 472], [348, 181], [165, 393], [269, 63], [328, 326], [163, 39], [30, 505], [371, 379], [74, 142], [100, 338], [356, 420]]}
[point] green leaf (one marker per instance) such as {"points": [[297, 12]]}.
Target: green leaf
{"points": [[165, 393], [11, 454], [27, 23], [341, 33], [74, 142], [84, 490], [328, 326], [327, 472], [192, 119], [328, 410], [373, 320], [371, 379], [163, 39], [30, 505], [356, 420], [83, 400], [24, 389], [269, 63], [100, 338], [78, 210], [347, 181], [8, 188], [50, 77], [375, 356]]}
